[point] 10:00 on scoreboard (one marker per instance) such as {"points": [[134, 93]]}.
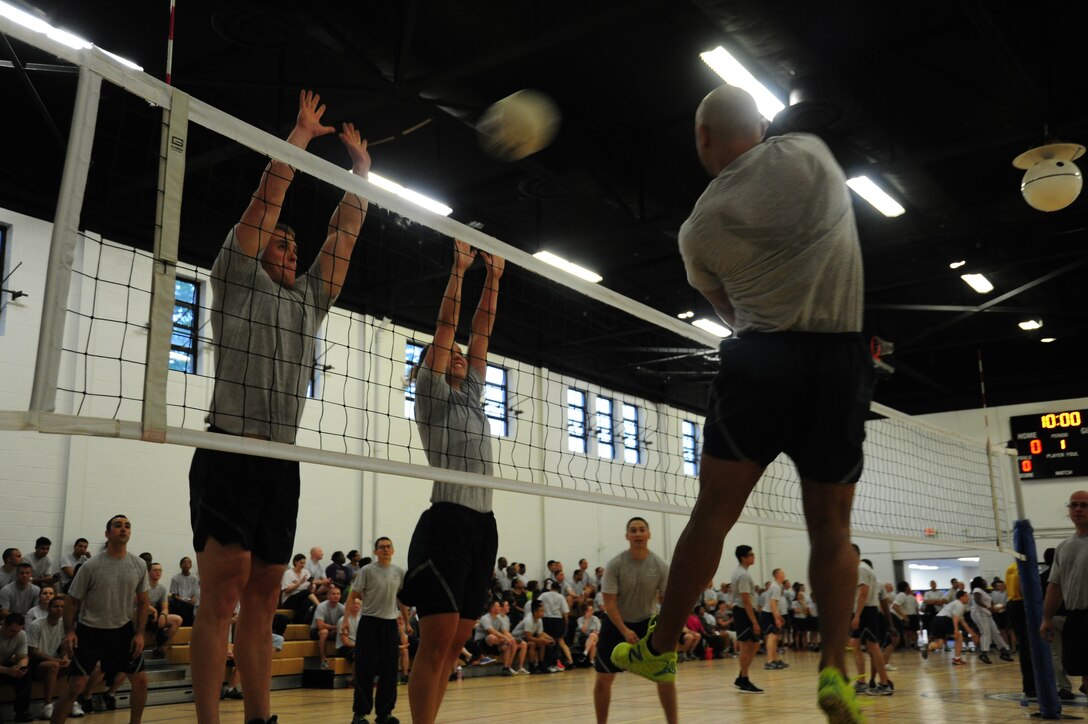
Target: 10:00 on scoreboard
{"points": [[1051, 444]]}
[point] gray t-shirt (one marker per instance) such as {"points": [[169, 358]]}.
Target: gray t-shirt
{"points": [[742, 582], [554, 604], [1070, 571], [265, 336], [867, 577], [483, 625], [156, 595], [185, 586], [774, 593], [776, 231], [637, 584], [528, 626], [7, 577], [33, 615], [455, 434], [46, 636], [69, 560], [107, 587], [353, 626], [42, 567], [13, 649], [328, 613], [19, 600], [379, 585], [952, 609]]}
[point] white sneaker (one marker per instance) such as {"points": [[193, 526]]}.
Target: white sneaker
{"points": [[47, 711], [77, 710], [522, 670], [890, 667]]}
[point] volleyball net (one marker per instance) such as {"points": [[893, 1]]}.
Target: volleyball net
{"points": [[589, 395]]}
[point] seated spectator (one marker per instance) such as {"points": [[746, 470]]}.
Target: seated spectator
{"points": [[319, 582], [45, 572], [405, 660], [502, 575], [710, 597], [725, 595], [46, 595], [502, 625], [589, 630], [338, 572], [519, 600], [531, 632], [576, 587], [12, 558], [15, 663], [353, 558], [20, 595], [161, 624], [327, 617], [70, 561], [295, 592], [185, 592], [349, 629], [690, 637], [491, 641], [712, 635]]}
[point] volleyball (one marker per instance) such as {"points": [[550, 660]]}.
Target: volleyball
{"points": [[519, 125]]}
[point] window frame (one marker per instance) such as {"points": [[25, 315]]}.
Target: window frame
{"points": [[636, 448], [606, 448], [502, 420], [191, 353], [689, 466], [583, 408]]}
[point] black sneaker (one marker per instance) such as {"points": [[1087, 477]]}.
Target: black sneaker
{"points": [[359, 719], [110, 702], [233, 694], [1066, 694], [984, 658], [747, 687], [1006, 655], [387, 719], [87, 702]]}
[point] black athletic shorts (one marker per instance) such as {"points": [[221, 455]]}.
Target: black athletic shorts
{"points": [[1075, 643], [766, 623], [244, 499], [914, 622], [941, 627], [610, 638], [872, 628], [742, 625], [812, 623], [804, 394], [110, 647], [450, 561]]}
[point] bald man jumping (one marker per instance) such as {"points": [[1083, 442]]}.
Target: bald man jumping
{"points": [[773, 245]]}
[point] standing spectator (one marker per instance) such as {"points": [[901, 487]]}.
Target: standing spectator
{"points": [[556, 612], [378, 640], [12, 558], [20, 595], [800, 609], [519, 600], [45, 572], [161, 624], [771, 619], [868, 627], [327, 617], [745, 617], [295, 591], [634, 582], [1065, 610], [46, 595], [905, 609], [101, 600], [1018, 620], [15, 664], [338, 572], [185, 592], [70, 561], [933, 601]]}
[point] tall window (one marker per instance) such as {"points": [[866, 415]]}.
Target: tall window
{"points": [[412, 353], [495, 400], [606, 447], [576, 420], [186, 319], [631, 453], [689, 446]]}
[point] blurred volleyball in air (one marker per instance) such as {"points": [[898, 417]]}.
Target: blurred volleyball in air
{"points": [[519, 125]]}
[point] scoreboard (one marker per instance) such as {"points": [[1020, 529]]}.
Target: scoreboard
{"points": [[1051, 444]]}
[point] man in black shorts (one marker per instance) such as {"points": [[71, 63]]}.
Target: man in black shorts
{"points": [[244, 508], [773, 246], [110, 628]]}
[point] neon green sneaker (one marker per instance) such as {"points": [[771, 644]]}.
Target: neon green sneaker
{"points": [[836, 697], [637, 659]]}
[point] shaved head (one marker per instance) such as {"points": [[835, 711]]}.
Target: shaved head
{"points": [[727, 124]]}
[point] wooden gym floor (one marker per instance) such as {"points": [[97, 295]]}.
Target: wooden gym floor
{"points": [[932, 691]]}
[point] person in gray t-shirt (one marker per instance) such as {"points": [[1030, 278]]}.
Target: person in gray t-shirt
{"points": [[773, 246], [265, 316], [1065, 610], [20, 595], [456, 541], [110, 629]]}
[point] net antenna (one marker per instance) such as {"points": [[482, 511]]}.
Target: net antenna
{"points": [[621, 437]]}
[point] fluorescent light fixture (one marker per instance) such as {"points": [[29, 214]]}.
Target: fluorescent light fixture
{"points": [[922, 567], [969, 559], [864, 187], [409, 195], [978, 282], [40, 26], [685, 315], [569, 267], [123, 61], [1031, 324], [1048, 340], [733, 73], [957, 264], [709, 325]]}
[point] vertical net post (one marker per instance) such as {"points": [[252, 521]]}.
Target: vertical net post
{"points": [[62, 245], [164, 268], [993, 491]]}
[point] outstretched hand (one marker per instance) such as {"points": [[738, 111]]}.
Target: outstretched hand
{"points": [[310, 111], [463, 255], [495, 264], [356, 146]]}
